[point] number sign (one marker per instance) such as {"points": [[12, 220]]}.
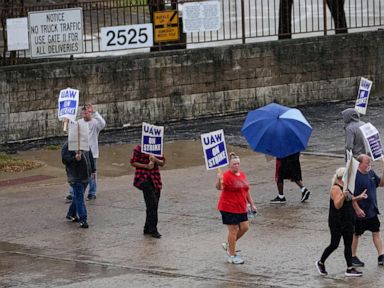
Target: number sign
{"points": [[126, 37]]}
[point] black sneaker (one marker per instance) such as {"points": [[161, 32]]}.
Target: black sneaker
{"points": [[156, 235], [91, 197], [304, 195], [321, 268], [84, 224], [278, 200], [353, 273], [356, 262], [381, 260], [73, 219], [68, 199]]}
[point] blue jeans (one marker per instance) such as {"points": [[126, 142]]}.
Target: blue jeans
{"points": [[77, 207], [92, 184]]}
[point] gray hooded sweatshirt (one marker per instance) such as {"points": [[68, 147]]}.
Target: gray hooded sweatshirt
{"points": [[354, 138]]}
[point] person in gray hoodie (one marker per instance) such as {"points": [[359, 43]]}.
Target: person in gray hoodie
{"points": [[354, 138]]}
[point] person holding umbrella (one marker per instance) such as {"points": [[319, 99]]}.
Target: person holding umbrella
{"points": [[289, 168], [234, 196], [281, 132]]}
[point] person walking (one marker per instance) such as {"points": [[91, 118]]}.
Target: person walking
{"points": [[289, 168], [147, 179], [354, 138], [232, 204], [340, 222], [96, 123], [367, 209], [80, 168]]}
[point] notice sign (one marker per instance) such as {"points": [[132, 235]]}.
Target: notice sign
{"points": [[201, 16], [372, 138], [166, 25], [152, 139], [363, 95], [56, 32], [68, 103], [17, 34], [215, 150]]}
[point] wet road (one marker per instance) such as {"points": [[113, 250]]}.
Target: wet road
{"points": [[326, 120], [38, 248]]}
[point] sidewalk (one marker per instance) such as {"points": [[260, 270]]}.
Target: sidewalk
{"points": [[40, 249]]}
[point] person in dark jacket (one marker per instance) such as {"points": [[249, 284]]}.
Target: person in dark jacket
{"points": [[80, 167]]}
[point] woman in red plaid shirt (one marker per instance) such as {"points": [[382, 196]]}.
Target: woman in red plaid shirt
{"points": [[147, 179]]}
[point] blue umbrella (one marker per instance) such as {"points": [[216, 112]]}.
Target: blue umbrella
{"points": [[276, 130]]}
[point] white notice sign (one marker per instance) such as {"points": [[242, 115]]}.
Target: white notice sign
{"points": [[201, 16], [17, 34], [56, 32]]}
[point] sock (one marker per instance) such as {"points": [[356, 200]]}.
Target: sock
{"points": [[281, 196], [303, 189]]}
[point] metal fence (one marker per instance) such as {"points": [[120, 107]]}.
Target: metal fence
{"points": [[241, 20]]}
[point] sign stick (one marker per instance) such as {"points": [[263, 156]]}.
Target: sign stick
{"points": [[65, 124], [78, 137]]}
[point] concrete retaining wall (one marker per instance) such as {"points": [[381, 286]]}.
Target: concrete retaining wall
{"points": [[173, 85]]}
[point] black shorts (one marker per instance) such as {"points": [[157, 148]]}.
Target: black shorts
{"points": [[288, 168], [370, 224], [233, 218]]}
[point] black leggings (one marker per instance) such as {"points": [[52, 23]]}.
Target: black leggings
{"points": [[336, 235]]}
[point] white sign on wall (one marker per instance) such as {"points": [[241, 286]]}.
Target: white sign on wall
{"points": [[126, 37], [55, 32], [201, 16], [17, 34]]}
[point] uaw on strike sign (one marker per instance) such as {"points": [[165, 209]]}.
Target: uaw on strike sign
{"points": [[215, 150], [363, 95], [152, 139], [68, 103]]}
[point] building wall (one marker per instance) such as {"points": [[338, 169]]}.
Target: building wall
{"points": [[169, 86]]}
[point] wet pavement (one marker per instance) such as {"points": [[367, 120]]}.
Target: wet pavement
{"points": [[38, 248]]}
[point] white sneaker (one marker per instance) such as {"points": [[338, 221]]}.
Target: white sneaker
{"points": [[226, 247], [235, 259]]}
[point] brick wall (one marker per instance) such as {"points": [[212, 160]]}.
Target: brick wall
{"points": [[172, 85]]}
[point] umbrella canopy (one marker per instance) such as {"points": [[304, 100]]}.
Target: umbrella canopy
{"points": [[276, 130]]}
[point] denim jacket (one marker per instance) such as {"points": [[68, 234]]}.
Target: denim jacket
{"points": [[77, 171]]}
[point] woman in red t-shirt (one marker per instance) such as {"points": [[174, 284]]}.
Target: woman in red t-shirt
{"points": [[232, 205]]}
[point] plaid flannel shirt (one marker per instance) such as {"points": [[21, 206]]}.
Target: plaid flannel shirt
{"points": [[143, 174]]}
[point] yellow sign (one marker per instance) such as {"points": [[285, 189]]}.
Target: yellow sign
{"points": [[166, 24]]}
